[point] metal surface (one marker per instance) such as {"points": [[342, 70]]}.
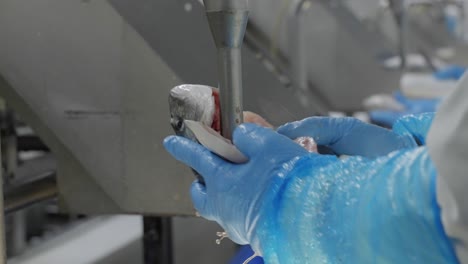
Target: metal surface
{"points": [[34, 182], [9, 144], [400, 16], [33, 192], [342, 53], [73, 180], [157, 240], [298, 44], [92, 80], [113, 124], [230, 90], [16, 239], [228, 22], [187, 48], [2, 219]]}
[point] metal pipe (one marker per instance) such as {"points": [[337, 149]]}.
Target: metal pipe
{"points": [[16, 233], [2, 220], [298, 45], [230, 82], [25, 195], [399, 12], [403, 38], [157, 240], [228, 22]]}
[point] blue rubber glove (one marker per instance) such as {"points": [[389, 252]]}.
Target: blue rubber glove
{"points": [[349, 136], [356, 211], [296, 207], [416, 106], [233, 193], [416, 126]]}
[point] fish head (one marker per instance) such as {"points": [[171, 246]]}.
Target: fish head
{"points": [[191, 102]]}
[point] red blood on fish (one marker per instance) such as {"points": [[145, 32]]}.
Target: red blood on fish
{"points": [[216, 125], [249, 117]]}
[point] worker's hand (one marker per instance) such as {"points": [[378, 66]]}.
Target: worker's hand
{"points": [[349, 136], [416, 126], [233, 194], [295, 207]]}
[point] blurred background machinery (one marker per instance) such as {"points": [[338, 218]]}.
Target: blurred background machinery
{"points": [[84, 110]]}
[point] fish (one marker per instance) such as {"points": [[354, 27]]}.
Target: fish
{"points": [[201, 103], [193, 102]]}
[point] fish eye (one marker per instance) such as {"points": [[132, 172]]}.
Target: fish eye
{"points": [[180, 124]]}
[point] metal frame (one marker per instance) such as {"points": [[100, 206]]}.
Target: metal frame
{"points": [[297, 44], [105, 114], [2, 220]]}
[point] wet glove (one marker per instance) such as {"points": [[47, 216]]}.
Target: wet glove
{"points": [[296, 207], [356, 211], [333, 130], [349, 136], [233, 194], [416, 126]]}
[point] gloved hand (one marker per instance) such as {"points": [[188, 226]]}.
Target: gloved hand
{"points": [[415, 106], [416, 126], [353, 137], [295, 207], [349, 136], [234, 194]]}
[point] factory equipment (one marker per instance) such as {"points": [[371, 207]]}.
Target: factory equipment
{"points": [[92, 79], [228, 21]]}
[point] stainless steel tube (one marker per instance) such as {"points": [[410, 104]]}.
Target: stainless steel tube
{"points": [[228, 21], [30, 193], [399, 12], [230, 83], [2, 221], [298, 45]]}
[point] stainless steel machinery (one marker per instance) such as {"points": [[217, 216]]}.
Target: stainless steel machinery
{"points": [[92, 79]]}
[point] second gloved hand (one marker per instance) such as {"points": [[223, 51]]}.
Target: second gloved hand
{"points": [[349, 136]]}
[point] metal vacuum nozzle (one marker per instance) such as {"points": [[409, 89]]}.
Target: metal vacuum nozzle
{"points": [[228, 22]]}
